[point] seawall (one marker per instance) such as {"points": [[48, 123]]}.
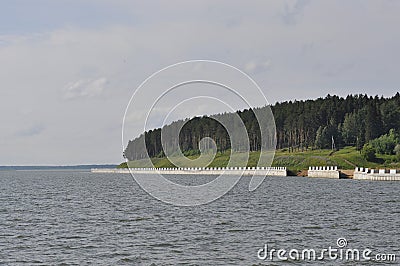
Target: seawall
{"points": [[324, 172], [376, 175], [262, 171]]}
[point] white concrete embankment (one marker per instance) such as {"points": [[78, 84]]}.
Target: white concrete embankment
{"points": [[324, 172], [376, 175], [262, 171]]}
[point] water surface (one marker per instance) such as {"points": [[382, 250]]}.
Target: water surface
{"points": [[74, 217]]}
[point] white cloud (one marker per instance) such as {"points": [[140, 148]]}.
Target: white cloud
{"points": [[103, 65], [257, 66], [85, 88]]}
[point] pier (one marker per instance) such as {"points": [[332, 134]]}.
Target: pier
{"points": [[376, 175], [324, 172]]}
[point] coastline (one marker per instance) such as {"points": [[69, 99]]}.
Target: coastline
{"points": [[331, 172], [249, 171]]}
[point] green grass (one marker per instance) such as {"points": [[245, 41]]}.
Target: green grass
{"points": [[346, 158]]}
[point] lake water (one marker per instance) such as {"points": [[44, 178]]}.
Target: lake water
{"points": [[72, 217]]}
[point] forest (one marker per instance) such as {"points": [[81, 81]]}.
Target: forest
{"points": [[368, 123]]}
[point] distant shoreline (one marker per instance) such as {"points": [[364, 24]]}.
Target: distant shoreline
{"points": [[297, 162], [54, 167]]}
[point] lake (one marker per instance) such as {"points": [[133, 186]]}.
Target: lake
{"points": [[77, 217]]}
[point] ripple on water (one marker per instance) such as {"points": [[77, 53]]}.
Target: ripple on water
{"points": [[56, 218]]}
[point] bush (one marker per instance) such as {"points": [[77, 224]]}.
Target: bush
{"points": [[397, 151], [368, 153], [123, 165], [385, 144], [191, 152]]}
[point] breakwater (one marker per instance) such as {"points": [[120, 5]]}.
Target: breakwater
{"points": [[250, 171], [324, 172], [376, 175]]}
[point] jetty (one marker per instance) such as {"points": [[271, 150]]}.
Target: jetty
{"points": [[376, 175], [323, 172]]}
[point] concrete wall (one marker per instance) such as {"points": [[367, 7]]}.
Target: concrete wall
{"points": [[324, 172], [376, 175], [262, 171], [110, 170]]}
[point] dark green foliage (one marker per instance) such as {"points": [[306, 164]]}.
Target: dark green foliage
{"points": [[373, 122], [397, 152], [390, 113], [353, 129], [386, 143], [368, 152], [300, 125], [326, 136], [123, 165]]}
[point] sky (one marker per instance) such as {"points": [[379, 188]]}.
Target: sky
{"points": [[69, 68]]}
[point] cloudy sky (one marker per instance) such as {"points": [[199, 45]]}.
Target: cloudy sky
{"points": [[68, 68]]}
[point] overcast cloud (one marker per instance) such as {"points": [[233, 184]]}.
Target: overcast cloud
{"points": [[68, 68]]}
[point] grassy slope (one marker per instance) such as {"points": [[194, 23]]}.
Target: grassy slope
{"points": [[346, 158]]}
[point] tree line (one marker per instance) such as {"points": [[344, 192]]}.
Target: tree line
{"points": [[355, 120]]}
